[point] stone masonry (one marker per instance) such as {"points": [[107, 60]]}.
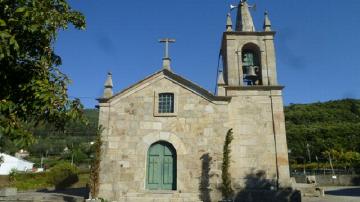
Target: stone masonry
{"points": [[197, 127]]}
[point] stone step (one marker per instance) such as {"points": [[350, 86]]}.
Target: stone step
{"points": [[153, 199]]}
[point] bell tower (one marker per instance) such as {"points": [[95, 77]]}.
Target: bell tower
{"points": [[256, 109], [248, 55]]}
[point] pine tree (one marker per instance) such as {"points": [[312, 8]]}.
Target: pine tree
{"points": [[226, 189], [95, 166]]}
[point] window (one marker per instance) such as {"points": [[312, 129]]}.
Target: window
{"points": [[166, 103], [161, 167]]}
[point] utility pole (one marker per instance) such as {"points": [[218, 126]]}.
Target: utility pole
{"points": [[308, 151], [332, 168]]}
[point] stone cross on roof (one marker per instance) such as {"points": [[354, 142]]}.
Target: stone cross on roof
{"points": [[166, 58]]}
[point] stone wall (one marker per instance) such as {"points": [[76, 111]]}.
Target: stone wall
{"points": [[327, 180], [257, 118], [197, 132]]}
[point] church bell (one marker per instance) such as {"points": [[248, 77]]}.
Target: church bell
{"points": [[251, 73]]}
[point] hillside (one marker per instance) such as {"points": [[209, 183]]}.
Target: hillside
{"points": [[313, 129]]}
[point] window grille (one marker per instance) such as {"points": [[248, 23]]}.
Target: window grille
{"points": [[166, 103]]}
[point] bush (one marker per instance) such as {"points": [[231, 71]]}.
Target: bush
{"points": [[63, 175], [26, 181]]}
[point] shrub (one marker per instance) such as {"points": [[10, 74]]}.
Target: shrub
{"points": [[26, 181], [63, 175], [12, 175], [95, 165], [226, 188]]}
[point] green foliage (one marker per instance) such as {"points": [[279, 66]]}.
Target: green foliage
{"points": [[329, 126], [35, 181], [63, 175], [95, 165], [51, 141], [77, 137], [77, 153], [226, 188], [33, 89], [12, 175], [344, 159], [26, 181]]}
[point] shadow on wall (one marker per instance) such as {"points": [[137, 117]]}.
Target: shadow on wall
{"points": [[259, 188], [204, 186]]}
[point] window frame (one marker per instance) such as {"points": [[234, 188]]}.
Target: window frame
{"points": [[173, 151], [166, 103], [156, 104]]}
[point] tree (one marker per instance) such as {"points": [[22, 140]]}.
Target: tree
{"points": [[226, 188], [95, 165], [332, 125], [32, 87]]}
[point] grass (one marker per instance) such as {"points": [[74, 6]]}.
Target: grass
{"points": [[83, 180], [36, 181], [29, 181]]}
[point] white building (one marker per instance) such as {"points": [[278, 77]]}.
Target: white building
{"points": [[10, 162]]}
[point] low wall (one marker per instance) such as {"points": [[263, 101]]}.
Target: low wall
{"points": [[327, 180]]}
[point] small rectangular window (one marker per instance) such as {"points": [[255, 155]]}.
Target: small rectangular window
{"points": [[166, 103]]}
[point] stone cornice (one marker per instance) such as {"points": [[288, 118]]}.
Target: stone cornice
{"points": [[272, 33], [189, 84], [254, 87]]}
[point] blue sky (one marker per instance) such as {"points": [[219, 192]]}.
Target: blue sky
{"points": [[317, 44]]}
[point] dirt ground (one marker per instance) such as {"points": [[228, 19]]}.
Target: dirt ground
{"points": [[4, 181]]}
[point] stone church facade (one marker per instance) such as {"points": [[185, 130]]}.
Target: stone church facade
{"points": [[163, 136]]}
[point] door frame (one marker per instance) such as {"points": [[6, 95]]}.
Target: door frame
{"points": [[174, 154]]}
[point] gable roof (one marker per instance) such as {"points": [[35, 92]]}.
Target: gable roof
{"points": [[14, 158], [181, 80]]}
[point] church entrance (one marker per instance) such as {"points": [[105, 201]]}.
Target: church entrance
{"points": [[161, 167]]}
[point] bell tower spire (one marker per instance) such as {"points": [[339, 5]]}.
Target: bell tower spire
{"points": [[108, 86], [248, 55], [244, 21], [228, 23], [267, 22]]}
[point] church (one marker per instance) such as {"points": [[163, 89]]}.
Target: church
{"points": [[163, 136]]}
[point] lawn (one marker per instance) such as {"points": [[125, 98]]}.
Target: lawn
{"points": [[36, 181]]}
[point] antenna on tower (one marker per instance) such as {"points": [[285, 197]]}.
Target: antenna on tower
{"points": [[232, 7], [253, 7]]}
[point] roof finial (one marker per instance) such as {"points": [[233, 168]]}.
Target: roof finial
{"points": [[220, 80], [108, 92], [244, 21], [228, 23], [267, 22], [166, 58]]}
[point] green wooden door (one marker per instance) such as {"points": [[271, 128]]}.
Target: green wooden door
{"points": [[161, 167]]}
